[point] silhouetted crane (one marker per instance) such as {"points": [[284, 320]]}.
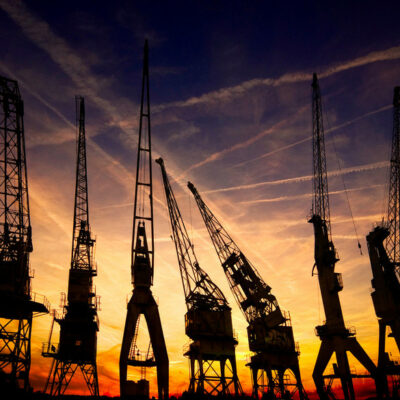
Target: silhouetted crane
{"points": [[335, 337], [386, 262], [79, 324], [17, 302], [208, 321], [142, 268], [269, 331]]}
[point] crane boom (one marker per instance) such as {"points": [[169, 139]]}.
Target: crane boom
{"points": [[252, 294], [208, 321], [200, 291], [269, 330]]}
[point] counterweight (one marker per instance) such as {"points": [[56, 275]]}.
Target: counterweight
{"points": [[385, 262], [269, 330], [79, 324], [142, 267], [17, 302], [335, 337], [208, 321]]}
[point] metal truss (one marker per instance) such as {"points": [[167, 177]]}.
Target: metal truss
{"points": [[15, 349], [63, 371]]}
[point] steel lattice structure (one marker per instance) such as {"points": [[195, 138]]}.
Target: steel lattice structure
{"points": [[393, 216], [79, 321], [335, 337], [385, 264], [17, 303], [208, 320], [269, 330], [142, 269]]}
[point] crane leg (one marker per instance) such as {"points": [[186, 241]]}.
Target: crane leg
{"points": [[362, 357], [160, 351], [324, 355], [344, 373], [129, 332]]}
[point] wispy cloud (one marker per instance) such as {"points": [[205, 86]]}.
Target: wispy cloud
{"points": [[273, 129], [327, 131], [229, 93], [305, 178], [306, 195], [40, 33]]}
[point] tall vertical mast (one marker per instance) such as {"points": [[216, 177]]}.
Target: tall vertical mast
{"points": [[142, 269], [320, 204], [16, 305], [143, 203], [335, 337], [81, 241], [393, 217], [385, 262], [79, 323]]}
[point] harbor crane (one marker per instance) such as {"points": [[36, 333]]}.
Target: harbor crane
{"points": [[384, 253], [142, 301], [269, 330], [79, 323], [208, 321], [334, 335], [18, 304]]}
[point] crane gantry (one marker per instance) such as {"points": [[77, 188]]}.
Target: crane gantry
{"points": [[334, 336], [18, 304], [269, 330], [142, 301], [384, 253], [208, 321], [79, 323]]}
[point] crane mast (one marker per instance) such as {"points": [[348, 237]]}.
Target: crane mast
{"points": [[335, 337], [79, 324], [142, 270], [17, 302], [208, 321], [269, 330], [384, 258]]}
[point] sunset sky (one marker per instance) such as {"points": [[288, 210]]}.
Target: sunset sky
{"points": [[230, 87]]}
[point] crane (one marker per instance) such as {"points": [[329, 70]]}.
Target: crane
{"points": [[269, 330], [142, 301], [79, 323], [18, 304], [334, 336], [383, 247], [208, 321]]}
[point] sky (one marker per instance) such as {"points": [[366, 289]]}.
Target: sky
{"points": [[230, 89]]}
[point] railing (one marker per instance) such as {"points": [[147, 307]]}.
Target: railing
{"points": [[287, 316], [186, 347], [136, 355], [40, 298], [49, 349], [297, 347], [352, 330]]}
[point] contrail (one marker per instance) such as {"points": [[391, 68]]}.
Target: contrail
{"points": [[333, 129], [307, 195], [219, 154], [229, 93], [360, 168]]}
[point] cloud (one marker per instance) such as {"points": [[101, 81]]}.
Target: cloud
{"points": [[219, 154], [327, 131], [229, 93], [305, 178], [306, 195]]}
